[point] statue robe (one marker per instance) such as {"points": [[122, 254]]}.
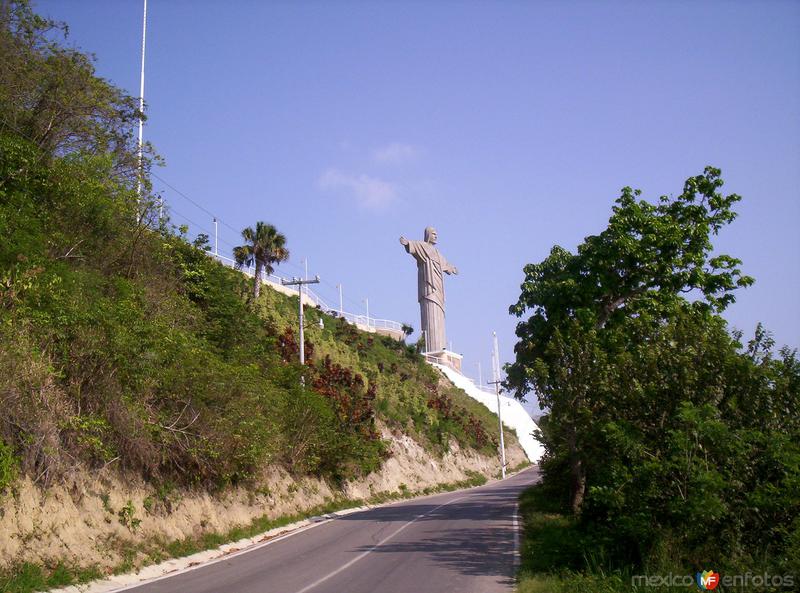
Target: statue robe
{"points": [[431, 267]]}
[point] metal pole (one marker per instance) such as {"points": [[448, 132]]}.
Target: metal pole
{"points": [[216, 240], [480, 376], [367, 301], [496, 382], [141, 113], [341, 301]]}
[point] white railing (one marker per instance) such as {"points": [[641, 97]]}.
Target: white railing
{"points": [[354, 318], [249, 271]]}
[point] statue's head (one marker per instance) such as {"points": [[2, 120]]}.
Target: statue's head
{"points": [[430, 235]]}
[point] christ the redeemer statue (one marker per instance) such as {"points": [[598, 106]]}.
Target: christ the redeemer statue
{"points": [[431, 267]]}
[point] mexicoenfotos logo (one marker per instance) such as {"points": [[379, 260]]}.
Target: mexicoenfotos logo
{"points": [[707, 580]]}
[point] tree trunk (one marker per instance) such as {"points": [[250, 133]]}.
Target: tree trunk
{"points": [[577, 475], [257, 280]]}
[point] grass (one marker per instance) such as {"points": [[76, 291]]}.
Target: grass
{"points": [[29, 577], [554, 557], [574, 583]]}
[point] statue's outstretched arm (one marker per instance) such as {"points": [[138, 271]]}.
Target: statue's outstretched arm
{"points": [[403, 241], [450, 268]]}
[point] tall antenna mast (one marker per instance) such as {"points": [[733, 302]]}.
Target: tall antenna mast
{"points": [[141, 116]]}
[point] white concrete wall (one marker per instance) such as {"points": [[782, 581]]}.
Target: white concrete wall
{"points": [[514, 415]]}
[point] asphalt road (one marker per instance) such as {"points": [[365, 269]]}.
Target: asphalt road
{"points": [[461, 542]]}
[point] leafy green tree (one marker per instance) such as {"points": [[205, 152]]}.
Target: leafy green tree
{"points": [[49, 93], [265, 246], [201, 242], [662, 428], [640, 267]]}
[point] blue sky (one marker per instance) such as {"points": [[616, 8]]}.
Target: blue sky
{"points": [[510, 127]]}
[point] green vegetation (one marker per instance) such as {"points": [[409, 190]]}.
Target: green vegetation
{"points": [[28, 577], [8, 466], [553, 551], [670, 446], [122, 343]]}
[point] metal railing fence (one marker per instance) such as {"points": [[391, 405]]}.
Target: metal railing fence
{"points": [[354, 318]]}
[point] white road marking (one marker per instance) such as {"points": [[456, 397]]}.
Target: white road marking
{"points": [[347, 565]]}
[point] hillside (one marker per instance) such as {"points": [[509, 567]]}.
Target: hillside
{"points": [[139, 359], [148, 404]]}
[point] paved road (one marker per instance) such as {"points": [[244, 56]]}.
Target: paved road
{"points": [[455, 542]]}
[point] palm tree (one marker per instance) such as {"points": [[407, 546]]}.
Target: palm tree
{"points": [[264, 246]]}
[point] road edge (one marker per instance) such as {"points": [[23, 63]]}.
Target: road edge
{"points": [[175, 566]]}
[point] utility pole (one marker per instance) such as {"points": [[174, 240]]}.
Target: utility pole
{"points": [[496, 383], [299, 282], [141, 116], [367, 302], [216, 241], [341, 301], [480, 375]]}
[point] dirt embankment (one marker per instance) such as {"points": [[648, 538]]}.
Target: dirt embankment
{"points": [[93, 518]]}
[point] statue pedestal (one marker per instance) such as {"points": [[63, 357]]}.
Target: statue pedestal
{"points": [[445, 357]]}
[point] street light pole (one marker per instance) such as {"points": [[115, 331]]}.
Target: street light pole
{"points": [[299, 282], [496, 383], [341, 301]]}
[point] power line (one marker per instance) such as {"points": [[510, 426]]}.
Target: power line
{"points": [[11, 126], [190, 221], [195, 203], [210, 213], [354, 303], [165, 182]]}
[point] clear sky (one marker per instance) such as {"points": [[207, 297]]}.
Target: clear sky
{"points": [[510, 127]]}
